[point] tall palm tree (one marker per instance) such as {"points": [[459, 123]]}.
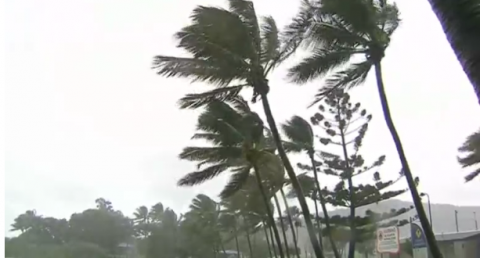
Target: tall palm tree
{"points": [[471, 147], [251, 209], [460, 21], [26, 221], [238, 144], [341, 32], [156, 213], [231, 50], [207, 215], [302, 139], [142, 220]]}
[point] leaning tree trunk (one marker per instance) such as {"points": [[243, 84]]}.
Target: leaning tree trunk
{"points": [[460, 20], [267, 238], [236, 241], [324, 207], [292, 176], [290, 221], [279, 210], [247, 233], [273, 243], [432, 243], [269, 211], [317, 219]]}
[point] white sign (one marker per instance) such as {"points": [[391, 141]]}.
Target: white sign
{"points": [[388, 240]]}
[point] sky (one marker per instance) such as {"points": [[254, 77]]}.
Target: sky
{"points": [[87, 117]]}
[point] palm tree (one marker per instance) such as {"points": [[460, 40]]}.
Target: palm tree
{"points": [[343, 31], [471, 147], [26, 221], [232, 50], [302, 139], [156, 213], [238, 144], [251, 209], [460, 21], [207, 215], [142, 220]]}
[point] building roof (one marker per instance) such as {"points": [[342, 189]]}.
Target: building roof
{"points": [[451, 236], [455, 236]]}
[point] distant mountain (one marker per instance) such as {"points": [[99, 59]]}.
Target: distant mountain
{"points": [[443, 216]]}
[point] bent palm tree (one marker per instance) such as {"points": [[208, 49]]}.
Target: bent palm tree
{"points": [[231, 50], [471, 146], [142, 220], [340, 32], [238, 144], [301, 139], [460, 21]]}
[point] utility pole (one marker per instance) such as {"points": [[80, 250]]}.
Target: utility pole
{"points": [[475, 217], [456, 219], [429, 208]]}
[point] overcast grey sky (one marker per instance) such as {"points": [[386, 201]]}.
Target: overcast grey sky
{"points": [[86, 117]]}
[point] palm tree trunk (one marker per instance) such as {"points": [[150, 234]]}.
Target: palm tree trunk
{"points": [[236, 241], [324, 207], [279, 210], [268, 239], [292, 176], [460, 21], [273, 243], [269, 211], [317, 219], [432, 243], [250, 249], [290, 221]]}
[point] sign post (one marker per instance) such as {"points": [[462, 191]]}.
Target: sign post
{"points": [[419, 242], [388, 241]]}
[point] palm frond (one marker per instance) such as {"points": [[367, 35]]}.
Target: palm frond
{"points": [[198, 177], [209, 137], [353, 75], [388, 18], [472, 175], [270, 39], [328, 33], [217, 33], [292, 36], [299, 131], [293, 147], [472, 159], [321, 62], [471, 147], [236, 182], [240, 105], [195, 69], [196, 100], [206, 155], [358, 15], [221, 118], [246, 11]]}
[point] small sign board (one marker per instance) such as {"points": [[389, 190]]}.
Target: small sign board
{"points": [[388, 240], [418, 237]]}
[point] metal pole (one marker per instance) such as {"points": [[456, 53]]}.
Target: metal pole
{"points": [[456, 219], [476, 224], [430, 210]]}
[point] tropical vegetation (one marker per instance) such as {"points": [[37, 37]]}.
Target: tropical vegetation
{"points": [[470, 155], [232, 51]]}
